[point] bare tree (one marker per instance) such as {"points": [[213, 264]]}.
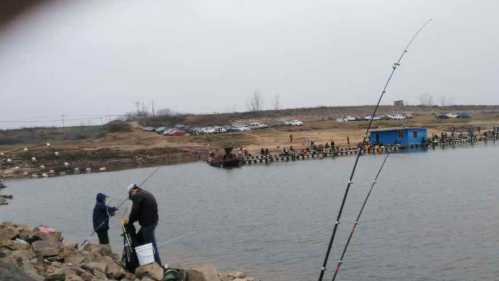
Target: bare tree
{"points": [[277, 102], [165, 112], [443, 101], [137, 107], [255, 102], [426, 100]]}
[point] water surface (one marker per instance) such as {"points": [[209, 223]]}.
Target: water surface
{"points": [[433, 216]]}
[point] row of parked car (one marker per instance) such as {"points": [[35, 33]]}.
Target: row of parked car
{"points": [[391, 116], [450, 115], [180, 130]]}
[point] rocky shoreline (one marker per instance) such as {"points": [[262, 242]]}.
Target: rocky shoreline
{"points": [[41, 254]]}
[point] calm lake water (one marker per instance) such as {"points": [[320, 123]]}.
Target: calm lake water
{"points": [[433, 216]]}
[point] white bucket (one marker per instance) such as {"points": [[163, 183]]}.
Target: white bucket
{"points": [[145, 254]]}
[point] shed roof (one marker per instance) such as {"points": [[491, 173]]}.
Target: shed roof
{"points": [[396, 129]]}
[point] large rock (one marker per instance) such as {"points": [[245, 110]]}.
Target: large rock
{"points": [[47, 248], [11, 273], [8, 233], [19, 257], [75, 260], [98, 250], [209, 272], [153, 271], [11, 245], [95, 267], [72, 276], [114, 271], [58, 275], [82, 274], [26, 233], [46, 234], [195, 275]]}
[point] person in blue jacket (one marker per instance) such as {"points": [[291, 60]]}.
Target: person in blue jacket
{"points": [[101, 215]]}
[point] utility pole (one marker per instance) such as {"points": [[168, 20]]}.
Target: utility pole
{"points": [[63, 128]]}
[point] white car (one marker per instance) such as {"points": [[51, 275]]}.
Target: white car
{"points": [[377, 117], [241, 128], [294, 123], [149, 129], [219, 130], [396, 116], [346, 119], [257, 125]]}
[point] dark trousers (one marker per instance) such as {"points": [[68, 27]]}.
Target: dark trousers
{"points": [[103, 237], [146, 234]]}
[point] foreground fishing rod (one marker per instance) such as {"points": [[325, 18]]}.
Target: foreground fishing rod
{"points": [[359, 149], [357, 219], [84, 242]]}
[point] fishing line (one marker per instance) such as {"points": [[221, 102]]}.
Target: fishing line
{"points": [[84, 242], [359, 149], [176, 238]]}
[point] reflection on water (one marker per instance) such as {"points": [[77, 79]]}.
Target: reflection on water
{"points": [[433, 216]]}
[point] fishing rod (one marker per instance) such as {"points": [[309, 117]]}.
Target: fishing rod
{"points": [[356, 222], [359, 149], [84, 242]]}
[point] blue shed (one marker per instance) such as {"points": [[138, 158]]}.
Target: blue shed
{"points": [[402, 136]]}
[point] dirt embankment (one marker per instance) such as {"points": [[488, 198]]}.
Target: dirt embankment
{"points": [[134, 147]]}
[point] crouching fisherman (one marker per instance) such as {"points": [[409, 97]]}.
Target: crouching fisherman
{"points": [[101, 215], [145, 211]]}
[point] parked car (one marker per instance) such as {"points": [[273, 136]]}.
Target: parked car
{"points": [[396, 116], [160, 130], [257, 125], [375, 118], [442, 116], [346, 119], [149, 129], [239, 127], [219, 130], [463, 115], [294, 123], [181, 126], [174, 132], [242, 128]]}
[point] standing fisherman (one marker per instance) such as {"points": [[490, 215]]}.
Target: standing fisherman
{"points": [[145, 211], [101, 215]]}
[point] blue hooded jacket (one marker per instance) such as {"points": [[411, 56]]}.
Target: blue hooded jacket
{"points": [[102, 213]]}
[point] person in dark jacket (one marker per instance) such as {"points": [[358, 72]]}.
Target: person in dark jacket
{"points": [[101, 215], [144, 211]]}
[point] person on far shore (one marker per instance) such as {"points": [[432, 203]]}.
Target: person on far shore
{"points": [[101, 215]]}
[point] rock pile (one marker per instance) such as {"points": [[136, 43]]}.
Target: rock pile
{"points": [[41, 254]]}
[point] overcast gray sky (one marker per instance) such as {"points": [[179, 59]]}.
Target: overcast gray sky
{"points": [[91, 58]]}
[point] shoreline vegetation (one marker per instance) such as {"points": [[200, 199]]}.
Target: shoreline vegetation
{"points": [[36, 152]]}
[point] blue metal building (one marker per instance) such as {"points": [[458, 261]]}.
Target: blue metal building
{"points": [[402, 136]]}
